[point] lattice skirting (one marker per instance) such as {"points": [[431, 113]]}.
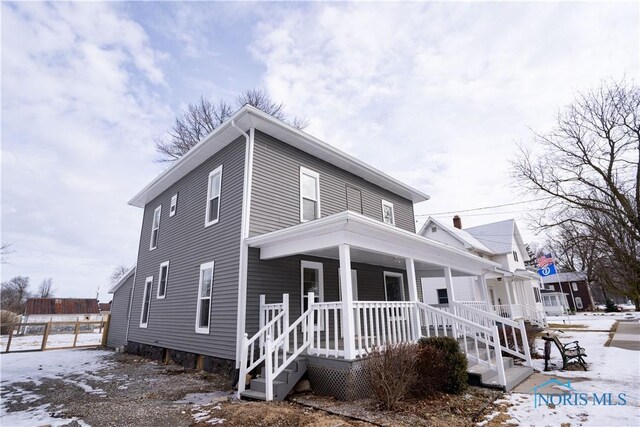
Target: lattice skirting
{"points": [[347, 382]]}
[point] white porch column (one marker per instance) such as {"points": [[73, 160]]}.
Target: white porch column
{"points": [[507, 286], [448, 280], [485, 291], [346, 291], [413, 296]]}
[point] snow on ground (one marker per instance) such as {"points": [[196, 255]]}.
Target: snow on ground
{"points": [[611, 370], [592, 321], [34, 342], [33, 367]]}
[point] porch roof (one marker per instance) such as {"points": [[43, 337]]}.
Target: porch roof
{"points": [[364, 233]]}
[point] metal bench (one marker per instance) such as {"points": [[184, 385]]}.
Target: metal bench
{"points": [[570, 352]]}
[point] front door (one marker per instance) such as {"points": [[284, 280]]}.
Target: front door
{"points": [[311, 281], [393, 286]]}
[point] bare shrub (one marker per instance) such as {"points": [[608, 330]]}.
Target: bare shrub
{"points": [[391, 373], [7, 317], [432, 363]]}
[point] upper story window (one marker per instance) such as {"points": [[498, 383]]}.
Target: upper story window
{"points": [[205, 286], [515, 256], [574, 285], [163, 277], [213, 197], [155, 228], [174, 205], [309, 195], [387, 213]]}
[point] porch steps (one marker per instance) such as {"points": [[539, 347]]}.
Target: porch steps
{"points": [[282, 384]]}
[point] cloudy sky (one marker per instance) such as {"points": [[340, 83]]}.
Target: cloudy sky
{"points": [[437, 95]]}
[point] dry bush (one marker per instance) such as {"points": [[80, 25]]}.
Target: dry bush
{"points": [[450, 368], [430, 368], [391, 373], [7, 317]]}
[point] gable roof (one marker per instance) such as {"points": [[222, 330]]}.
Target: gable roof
{"points": [[122, 280], [570, 276], [462, 236], [498, 236], [62, 306], [249, 117]]}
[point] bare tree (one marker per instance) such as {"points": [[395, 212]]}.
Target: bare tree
{"points": [[118, 273], [45, 290], [14, 294], [589, 166], [5, 251], [203, 117]]}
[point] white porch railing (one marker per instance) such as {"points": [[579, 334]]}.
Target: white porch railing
{"points": [[380, 323], [480, 305], [268, 312], [512, 332]]}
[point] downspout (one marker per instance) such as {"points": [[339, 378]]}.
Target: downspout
{"points": [[244, 249]]}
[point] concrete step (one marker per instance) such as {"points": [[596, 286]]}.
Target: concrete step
{"points": [[482, 375], [282, 384], [254, 395]]}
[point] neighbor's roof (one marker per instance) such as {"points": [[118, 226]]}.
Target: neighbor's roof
{"points": [[462, 235], [61, 306], [104, 306], [249, 117], [122, 280], [498, 236], [571, 276]]}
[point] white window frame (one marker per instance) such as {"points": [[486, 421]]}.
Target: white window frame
{"points": [[579, 305], [155, 228], [316, 176], [574, 286], [319, 267], [446, 292], [146, 293], [393, 214], [393, 274], [166, 281], [174, 205], [210, 197], [515, 256], [200, 329]]}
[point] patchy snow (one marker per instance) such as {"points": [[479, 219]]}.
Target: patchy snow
{"points": [[16, 368], [611, 370], [34, 342], [592, 321]]}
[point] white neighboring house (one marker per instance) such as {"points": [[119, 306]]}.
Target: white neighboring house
{"points": [[40, 310], [510, 291]]}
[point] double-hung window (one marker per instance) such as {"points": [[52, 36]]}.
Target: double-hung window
{"points": [[146, 302], [163, 279], [174, 205], [213, 197], [155, 227], [205, 288], [309, 195], [387, 213]]}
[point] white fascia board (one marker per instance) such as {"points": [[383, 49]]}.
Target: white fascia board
{"points": [[249, 117], [123, 279]]}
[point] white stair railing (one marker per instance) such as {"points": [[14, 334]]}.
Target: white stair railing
{"points": [[480, 305], [251, 356], [479, 343], [509, 329]]}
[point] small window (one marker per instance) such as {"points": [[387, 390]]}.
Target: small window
{"points": [[515, 256], [434, 229], [146, 302], [163, 277], [574, 285], [387, 213], [579, 303], [204, 298], [155, 227], [213, 197], [309, 195], [443, 297], [174, 205]]}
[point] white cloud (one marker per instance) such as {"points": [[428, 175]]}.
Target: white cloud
{"points": [[437, 94], [79, 114]]}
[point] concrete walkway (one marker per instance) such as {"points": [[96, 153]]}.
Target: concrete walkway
{"points": [[627, 335]]}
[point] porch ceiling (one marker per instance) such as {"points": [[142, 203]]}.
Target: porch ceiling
{"points": [[371, 242]]}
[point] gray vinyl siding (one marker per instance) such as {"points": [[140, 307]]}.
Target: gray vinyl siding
{"points": [[186, 243], [282, 275], [119, 312], [275, 198]]}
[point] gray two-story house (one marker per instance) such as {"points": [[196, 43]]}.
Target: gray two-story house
{"points": [[268, 251]]}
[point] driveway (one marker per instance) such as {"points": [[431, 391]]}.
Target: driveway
{"points": [[627, 335]]}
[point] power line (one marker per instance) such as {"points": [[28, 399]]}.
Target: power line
{"points": [[486, 207]]}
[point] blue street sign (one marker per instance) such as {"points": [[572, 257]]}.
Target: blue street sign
{"points": [[548, 270]]}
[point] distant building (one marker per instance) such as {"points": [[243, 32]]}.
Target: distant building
{"points": [[104, 307], [61, 310], [575, 286]]}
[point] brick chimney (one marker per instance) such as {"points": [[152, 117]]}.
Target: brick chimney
{"points": [[457, 222]]}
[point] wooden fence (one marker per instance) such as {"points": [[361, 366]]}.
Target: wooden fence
{"points": [[19, 330]]}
